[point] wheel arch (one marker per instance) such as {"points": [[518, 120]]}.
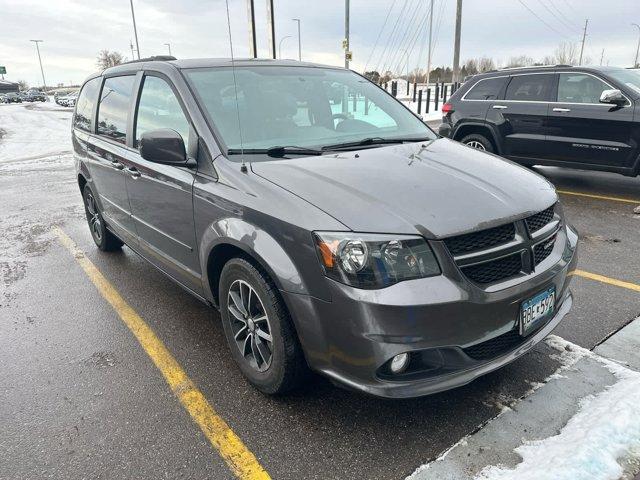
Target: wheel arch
{"points": [[465, 129]]}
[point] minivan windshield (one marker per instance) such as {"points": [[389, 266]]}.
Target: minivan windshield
{"points": [[310, 107]]}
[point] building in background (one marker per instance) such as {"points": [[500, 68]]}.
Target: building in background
{"points": [[6, 86]]}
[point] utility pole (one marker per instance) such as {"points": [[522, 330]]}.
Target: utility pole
{"points": [[44, 83], [299, 41], [456, 43], [135, 29], [280, 45], [253, 50], [430, 38], [602, 57], [635, 63], [131, 46], [271, 28], [347, 53], [584, 37], [169, 47]]}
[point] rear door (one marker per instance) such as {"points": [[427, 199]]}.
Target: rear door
{"points": [[584, 131], [161, 195], [521, 117], [476, 104], [107, 153]]}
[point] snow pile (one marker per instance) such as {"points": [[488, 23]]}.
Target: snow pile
{"points": [[605, 429]]}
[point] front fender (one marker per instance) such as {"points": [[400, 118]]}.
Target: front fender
{"points": [[259, 245]]}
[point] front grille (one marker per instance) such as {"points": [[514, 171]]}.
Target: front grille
{"points": [[494, 270], [494, 347], [539, 220], [478, 240], [543, 250]]}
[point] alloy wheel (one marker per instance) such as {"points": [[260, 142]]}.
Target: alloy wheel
{"points": [[95, 224], [476, 144], [250, 325]]}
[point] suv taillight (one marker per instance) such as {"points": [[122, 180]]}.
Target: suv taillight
{"points": [[447, 108]]}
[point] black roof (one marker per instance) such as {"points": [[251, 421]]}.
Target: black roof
{"points": [[545, 68]]}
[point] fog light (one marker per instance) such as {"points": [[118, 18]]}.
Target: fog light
{"points": [[399, 363]]}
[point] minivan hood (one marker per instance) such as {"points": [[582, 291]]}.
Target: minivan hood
{"points": [[437, 188]]}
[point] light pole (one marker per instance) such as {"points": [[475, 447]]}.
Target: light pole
{"points": [[299, 41], [280, 46], [135, 30], [44, 83], [169, 47], [635, 64]]}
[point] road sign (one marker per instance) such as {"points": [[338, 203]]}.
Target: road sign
{"points": [[3, 70], [344, 44], [348, 56]]}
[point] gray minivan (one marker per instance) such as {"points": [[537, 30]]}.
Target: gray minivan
{"points": [[339, 235]]}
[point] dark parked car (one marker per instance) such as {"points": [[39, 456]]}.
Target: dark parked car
{"points": [[36, 96], [350, 240], [12, 97], [580, 117]]}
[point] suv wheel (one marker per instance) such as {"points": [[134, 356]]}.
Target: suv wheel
{"points": [[480, 142], [105, 240], [258, 329]]}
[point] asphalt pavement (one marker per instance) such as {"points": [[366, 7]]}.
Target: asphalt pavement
{"points": [[80, 397]]}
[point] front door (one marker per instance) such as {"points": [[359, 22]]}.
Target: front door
{"points": [[584, 131], [161, 195], [522, 116]]}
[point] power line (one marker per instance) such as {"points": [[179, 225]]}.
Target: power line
{"points": [[571, 22], [540, 18], [395, 26], [379, 34], [554, 15], [407, 20]]}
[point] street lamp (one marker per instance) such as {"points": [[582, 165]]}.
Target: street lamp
{"points": [[280, 45], [299, 41], [635, 64], [169, 47], [44, 83]]}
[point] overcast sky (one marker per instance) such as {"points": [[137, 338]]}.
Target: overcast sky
{"points": [[74, 31]]}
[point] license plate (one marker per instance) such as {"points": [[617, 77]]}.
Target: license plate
{"points": [[536, 309]]}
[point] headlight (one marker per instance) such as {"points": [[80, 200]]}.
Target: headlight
{"points": [[367, 260]]}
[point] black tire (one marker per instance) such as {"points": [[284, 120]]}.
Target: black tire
{"points": [[105, 240], [479, 142], [287, 368]]}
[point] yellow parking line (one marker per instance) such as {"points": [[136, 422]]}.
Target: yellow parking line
{"points": [[599, 197], [239, 459], [610, 281]]}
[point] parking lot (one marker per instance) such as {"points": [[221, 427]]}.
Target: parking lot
{"points": [[88, 391]]}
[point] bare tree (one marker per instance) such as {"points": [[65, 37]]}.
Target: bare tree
{"points": [[23, 85], [567, 53], [521, 61], [108, 59], [548, 60], [486, 64]]}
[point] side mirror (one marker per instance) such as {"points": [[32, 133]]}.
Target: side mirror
{"points": [[614, 97], [163, 146], [444, 130]]}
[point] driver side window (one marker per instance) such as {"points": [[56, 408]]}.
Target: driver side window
{"points": [[159, 108], [580, 88]]}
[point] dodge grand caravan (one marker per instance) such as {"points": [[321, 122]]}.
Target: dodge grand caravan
{"points": [[337, 234]]}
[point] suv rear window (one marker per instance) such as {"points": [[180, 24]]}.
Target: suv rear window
{"points": [[114, 107], [530, 88], [84, 105], [486, 89]]}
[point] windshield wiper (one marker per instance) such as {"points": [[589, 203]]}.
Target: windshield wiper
{"points": [[277, 151], [371, 141]]}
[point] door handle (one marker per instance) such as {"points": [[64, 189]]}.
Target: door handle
{"points": [[134, 172], [499, 107], [117, 165], [558, 109]]}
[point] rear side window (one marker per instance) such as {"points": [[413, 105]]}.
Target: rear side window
{"points": [[86, 102], [580, 88], [530, 88], [114, 107], [487, 89], [159, 108]]}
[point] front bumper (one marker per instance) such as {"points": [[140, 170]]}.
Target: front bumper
{"points": [[352, 337]]}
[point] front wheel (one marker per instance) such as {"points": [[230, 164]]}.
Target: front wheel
{"points": [[104, 239], [258, 328], [477, 141]]}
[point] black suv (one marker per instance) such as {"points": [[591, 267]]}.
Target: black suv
{"points": [[566, 116]]}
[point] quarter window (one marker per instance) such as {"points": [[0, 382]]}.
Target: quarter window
{"points": [[114, 107], [159, 108], [487, 89], [580, 88], [84, 106], [530, 88]]}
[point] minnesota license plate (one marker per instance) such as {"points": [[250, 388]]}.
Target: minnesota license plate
{"points": [[536, 309]]}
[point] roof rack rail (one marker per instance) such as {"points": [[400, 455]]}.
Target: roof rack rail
{"points": [[155, 58], [532, 66]]}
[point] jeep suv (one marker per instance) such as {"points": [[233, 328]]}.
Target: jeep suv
{"points": [[341, 235], [579, 117]]}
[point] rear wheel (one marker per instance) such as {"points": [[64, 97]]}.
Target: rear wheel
{"points": [[105, 240], [477, 141], [258, 328]]}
